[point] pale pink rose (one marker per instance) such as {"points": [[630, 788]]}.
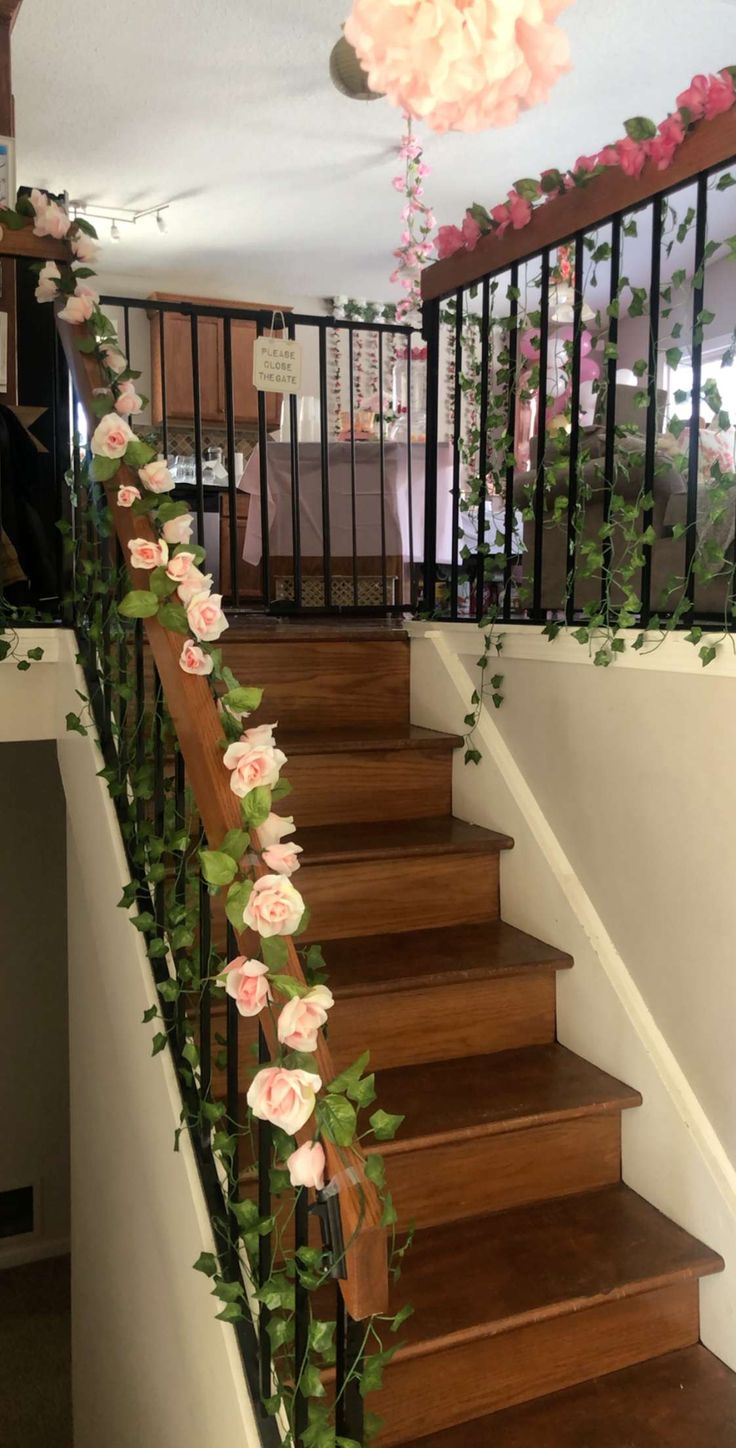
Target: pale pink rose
{"points": [[252, 765], [205, 616], [111, 437], [285, 1098], [156, 477], [179, 530], [127, 495], [306, 1166], [275, 907], [260, 734], [127, 400], [85, 247], [47, 290], [194, 583], [39, 201], [51, 220], [302, 1017], [144, 553], [114, 359], [273, 829], [80, 307], [194, 660], [247, 982], [180, 566], [282, 859]]}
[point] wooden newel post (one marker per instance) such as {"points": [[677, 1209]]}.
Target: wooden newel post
{"points": [[8, 13]]}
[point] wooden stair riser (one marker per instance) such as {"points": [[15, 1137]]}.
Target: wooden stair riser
{"points": [[368, 784], [430, 1391], [372, 897], [324, 684]]}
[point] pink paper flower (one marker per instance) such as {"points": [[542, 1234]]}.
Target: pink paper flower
{"points": [[128, 494], [179, 530], [274, 828], [285, 1098], [144, 553], [205, 616], [180, 566], [246, 982], [252, 765], [111, 437], [306, 1166], [275, 907], [194, 660], [282, 859], [156, 477], [127, 400], [47, 290], [302, 1017]]}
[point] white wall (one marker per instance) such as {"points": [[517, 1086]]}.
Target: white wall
{"points": [[619, 789]]}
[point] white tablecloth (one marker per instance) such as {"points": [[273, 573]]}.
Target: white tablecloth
{"points": [[402, 539]]}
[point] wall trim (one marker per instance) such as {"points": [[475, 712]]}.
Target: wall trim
{"points": [[673, 656], [19, 1251]]}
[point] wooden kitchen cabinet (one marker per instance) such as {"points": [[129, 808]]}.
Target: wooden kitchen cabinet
{"points": [[177, 355]]}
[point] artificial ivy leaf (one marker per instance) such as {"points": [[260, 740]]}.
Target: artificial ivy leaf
{"points": [[74, 723], [375, 1168], [231, 1312], [321, 1336], [707, 654], [401, 1316], [235, 844], [287, 985], [139, 603], [640, 128], [138, 453], [149, 1015], [103, 469], [158, 1043], [207, 1263], [161, 584], [173, 616], [218, 868], [337, 1119], [274, 951], [385, 1126], [280, 789], [256, 806], [242, 700], [102, 405], [237, 898]]}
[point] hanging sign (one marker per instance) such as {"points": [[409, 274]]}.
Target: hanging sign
{"points": [[277, 363]]}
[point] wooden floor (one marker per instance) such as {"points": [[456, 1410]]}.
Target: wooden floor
{"points": [[553, 1306]]}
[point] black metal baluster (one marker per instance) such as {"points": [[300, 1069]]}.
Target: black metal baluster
{"points": [[180, 885], [409, 474], [352, 466], [296, 518], [164, 408], [349, 1403], [197, 404], [609, 464], [572, 491], [233, 1065], [483, 450], [159, 892], [264, 1242], [701, 230], [126, 334], [227, 347], [123, 656], [301, 1317], [382, 467], [205, 1003], [325, 466], [651, 425], [457, 409], [431, 334], [263, 477], [140, 711], [538, 612], [510, 443]]}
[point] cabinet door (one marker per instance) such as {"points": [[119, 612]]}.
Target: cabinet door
{"points": [[246, 396], [179, 372]]}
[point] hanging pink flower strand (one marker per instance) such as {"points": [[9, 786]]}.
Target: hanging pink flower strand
{"points": [[415, 248], [460, 65]]}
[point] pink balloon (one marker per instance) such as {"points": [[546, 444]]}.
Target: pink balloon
{"points": [[590, 370], [566, 334]]}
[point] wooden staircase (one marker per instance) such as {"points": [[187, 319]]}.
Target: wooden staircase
{"points": [[553, 1306]]}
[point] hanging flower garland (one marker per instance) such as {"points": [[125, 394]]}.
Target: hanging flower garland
{"points": [[460, 66], [707, 96], [415, 247]]}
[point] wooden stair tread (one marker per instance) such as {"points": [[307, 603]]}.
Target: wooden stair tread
{"points": [[683, 1399], [384, 839], [509, 1090], [352, 738], [445, 955], [493, 1273], [261, 627]]}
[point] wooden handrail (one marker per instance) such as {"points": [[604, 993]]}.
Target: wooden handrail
{"points": [[709, 144], [194, 713]]}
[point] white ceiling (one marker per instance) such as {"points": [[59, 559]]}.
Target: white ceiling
{"points": [[281, 188]]}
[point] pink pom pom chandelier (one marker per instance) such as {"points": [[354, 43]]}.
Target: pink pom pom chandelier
{"points": [[460, 65]]}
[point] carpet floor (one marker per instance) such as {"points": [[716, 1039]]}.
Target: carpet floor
{"points": [[35, 1356]]}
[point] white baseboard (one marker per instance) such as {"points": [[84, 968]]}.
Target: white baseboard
{"points": [[19, 1251]]}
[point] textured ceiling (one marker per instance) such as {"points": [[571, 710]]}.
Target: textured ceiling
{"points": [[280, 186]]}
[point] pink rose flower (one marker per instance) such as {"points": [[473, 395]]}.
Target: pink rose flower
{"points": [[720, 96], [179, 530], [85, 247], [156, 477], [586, 163], [285, 1098], [144, 553], [306, 1166], [127, 495], [195, 582], [246, 981], [252, 765], [275, 907], [302, 1017], [111, 437], [471, 231], [632, 156], [80, 307], [282, 859], [127, 400], [180, 566], [51, 220], [47, 290], [114, 359], [205, 616], [694, 98], [260, 734], [194, 660], [273, 829], [449, 240], [609, 156]]}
